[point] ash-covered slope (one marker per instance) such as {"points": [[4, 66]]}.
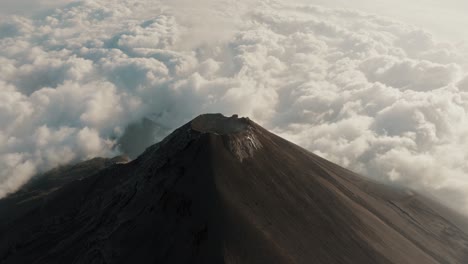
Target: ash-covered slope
{"points": [[225, 190]]}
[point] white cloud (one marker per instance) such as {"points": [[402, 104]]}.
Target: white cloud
{"points": [[380, 97], [418, 75]]}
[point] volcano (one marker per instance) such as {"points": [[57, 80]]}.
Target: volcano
{"points": [[222, 190]]}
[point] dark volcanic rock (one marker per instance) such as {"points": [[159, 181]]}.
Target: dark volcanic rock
{"points": [[225, 190]]}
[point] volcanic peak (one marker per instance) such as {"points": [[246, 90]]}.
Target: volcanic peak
{"points": [[240, 134], [223, 190], [219, 124]]}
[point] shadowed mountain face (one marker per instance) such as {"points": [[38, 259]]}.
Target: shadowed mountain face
{"points": [[225, 190]]}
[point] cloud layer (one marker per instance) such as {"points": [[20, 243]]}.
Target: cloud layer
{"points": [[377, 96]]}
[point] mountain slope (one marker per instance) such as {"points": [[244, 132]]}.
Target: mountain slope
{"points": [[225, 190]]}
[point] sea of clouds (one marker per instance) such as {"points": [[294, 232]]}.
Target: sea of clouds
{"points": [[377, 96]]}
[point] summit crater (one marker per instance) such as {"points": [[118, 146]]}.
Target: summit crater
{"points": [[220, 124]]}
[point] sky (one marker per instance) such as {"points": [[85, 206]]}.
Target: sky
{"points": [[447, 19], [29, 7], [380, 88]]}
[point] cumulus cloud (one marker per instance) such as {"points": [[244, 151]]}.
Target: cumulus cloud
{"points": [[377, 96]]}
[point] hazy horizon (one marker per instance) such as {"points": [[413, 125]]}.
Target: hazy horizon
{"points": [[418, 12]]}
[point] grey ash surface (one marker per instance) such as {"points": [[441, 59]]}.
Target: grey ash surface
{"points": [[224, 190]]}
